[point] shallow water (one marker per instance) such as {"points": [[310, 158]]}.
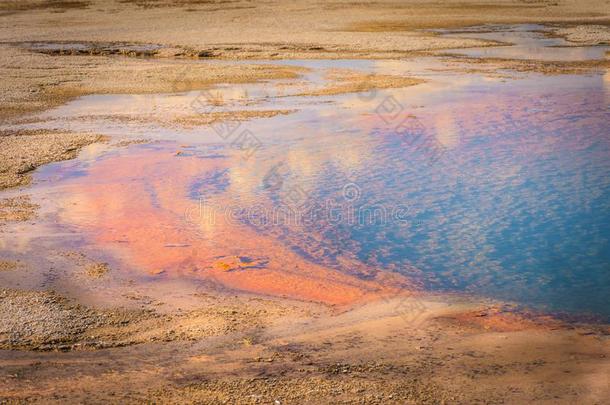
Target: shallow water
{"points": [[526, 41], [465, 183]]}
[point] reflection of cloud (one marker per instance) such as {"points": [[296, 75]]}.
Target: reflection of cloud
{"points": [[241, 180], [302, 163], [388, 66], [446, 130], [204, 216], [230, 92], [350, 159]]}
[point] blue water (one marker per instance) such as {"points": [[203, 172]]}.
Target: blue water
{"points": [[503, 190]]}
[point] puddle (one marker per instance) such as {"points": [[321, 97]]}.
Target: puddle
{"points": [[465, 183], [528, 41]]}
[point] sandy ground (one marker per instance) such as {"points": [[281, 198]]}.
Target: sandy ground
{"points": [[585, 34], [181, 344], [246, 350], [16, 209], [24, 151], [292, 29], [489, 66], [26, 90]]}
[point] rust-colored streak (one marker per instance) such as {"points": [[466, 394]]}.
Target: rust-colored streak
{"points": [[138, 204]]}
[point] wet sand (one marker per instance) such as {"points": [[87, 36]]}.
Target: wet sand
{"points": [[240, 317]]}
